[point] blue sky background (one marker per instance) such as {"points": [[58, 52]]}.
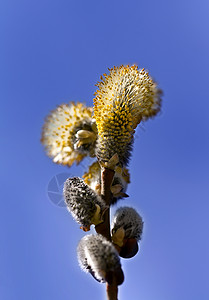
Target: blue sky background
{"points": [[55, 51]]}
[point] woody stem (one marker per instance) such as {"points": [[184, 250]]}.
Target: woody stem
{"points": [[104, 228], [112, 290]]}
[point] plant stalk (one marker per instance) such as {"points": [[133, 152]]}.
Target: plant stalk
{"points": [[104, 228]]}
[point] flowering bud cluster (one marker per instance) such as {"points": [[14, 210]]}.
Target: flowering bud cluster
{"points": [[124, 98]]}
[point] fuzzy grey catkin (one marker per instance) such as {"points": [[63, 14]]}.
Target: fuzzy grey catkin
{"points": [[97, 256], [128, 219], [82, 201]]}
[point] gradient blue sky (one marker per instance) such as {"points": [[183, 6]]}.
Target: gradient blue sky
{"points": [[55, 51]]}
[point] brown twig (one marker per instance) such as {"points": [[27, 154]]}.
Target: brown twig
{"points": [[112, 290], [104, 228], [106, 181]]}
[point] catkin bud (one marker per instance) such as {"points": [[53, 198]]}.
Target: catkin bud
{"points": [[119, 184], [69, 133], [127, 229], [128, 220], [98, 256], [84, 204]]}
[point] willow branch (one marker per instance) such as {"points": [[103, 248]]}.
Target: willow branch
{"points": [[112, 290], [104, 228], [106, 181]]}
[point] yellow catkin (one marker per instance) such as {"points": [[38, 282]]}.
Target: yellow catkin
{"points": [[124, 98], [58, 130]]}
